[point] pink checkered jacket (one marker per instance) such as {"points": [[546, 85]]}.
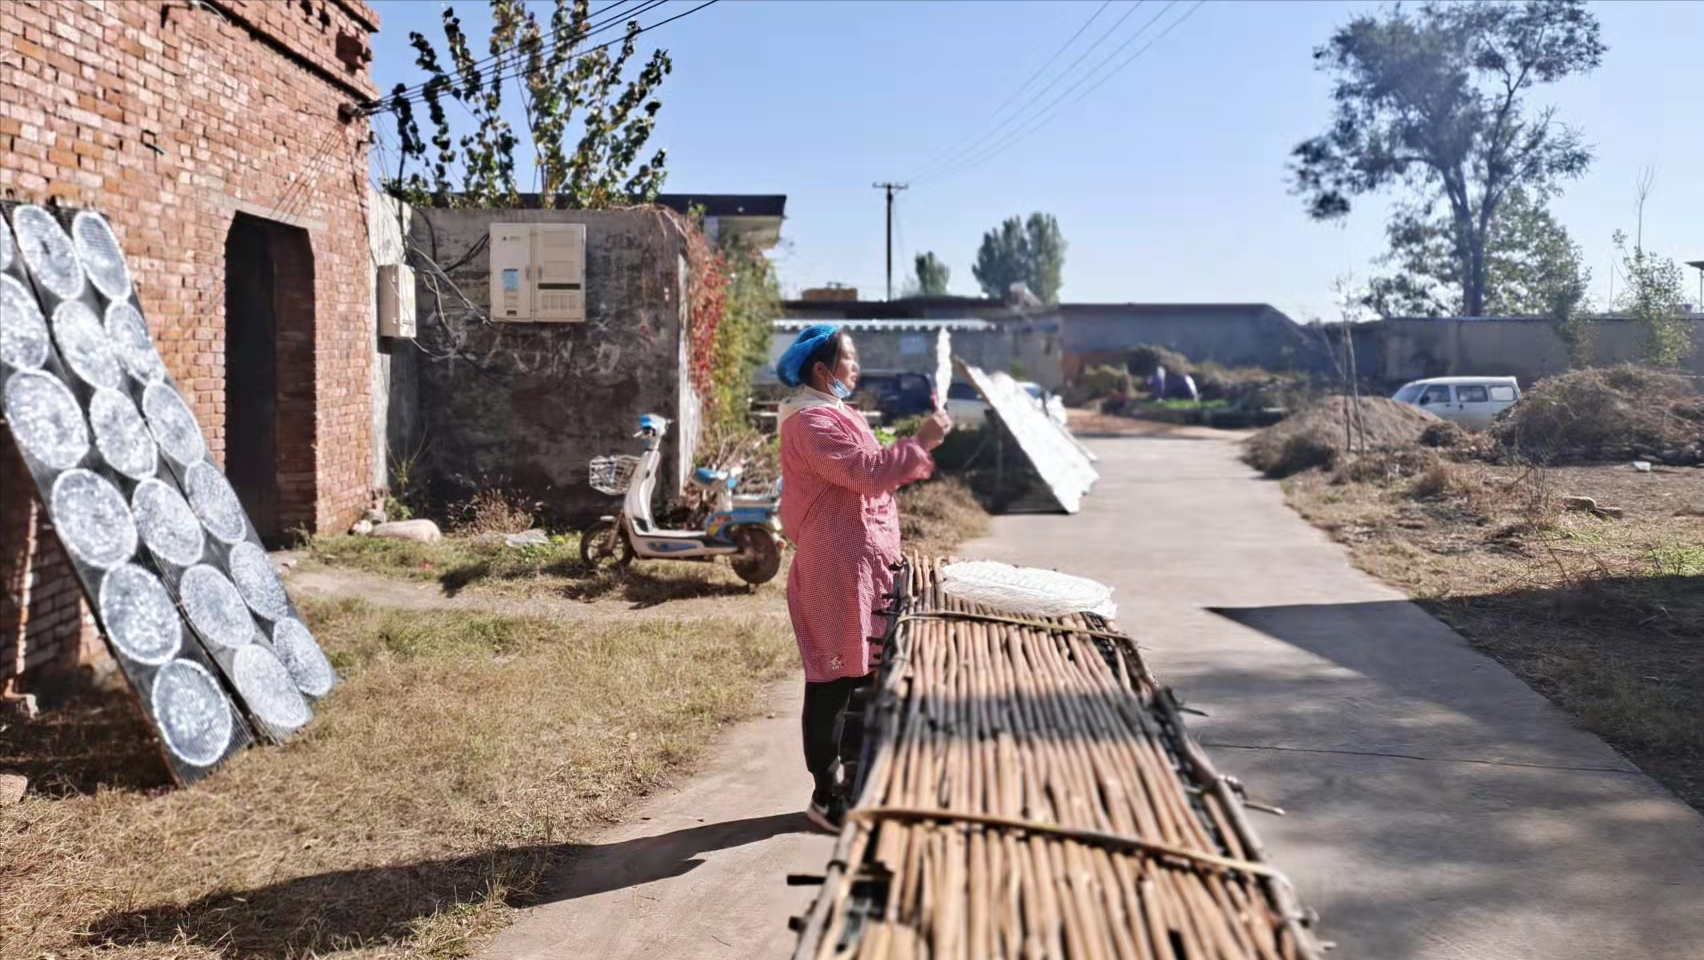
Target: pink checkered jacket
{"points": [[838, 509]]}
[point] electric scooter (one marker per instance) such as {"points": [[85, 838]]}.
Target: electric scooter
{"points": [[746, 530]]}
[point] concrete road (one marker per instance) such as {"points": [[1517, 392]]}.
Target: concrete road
{"points": [[1438, 807]]}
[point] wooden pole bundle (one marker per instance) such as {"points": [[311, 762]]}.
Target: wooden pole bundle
{"points": [[1031, 793]]}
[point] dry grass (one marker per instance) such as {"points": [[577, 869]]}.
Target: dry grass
{"points": [[1603, 616], [935, 517], [1612, 413], [462, 755], [494, 510], [487, 566]]}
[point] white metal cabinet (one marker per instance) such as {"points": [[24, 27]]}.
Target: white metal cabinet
{"points": [[538, 272]]}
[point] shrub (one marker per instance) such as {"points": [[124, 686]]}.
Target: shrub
{"points": [[1099, 383], [495, 508], [1145, 359]]}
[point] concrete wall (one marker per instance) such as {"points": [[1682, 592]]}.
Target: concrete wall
{"points": [[1393, 352], [172, 120], [395, 404], [1252, 336], [527, 404]]}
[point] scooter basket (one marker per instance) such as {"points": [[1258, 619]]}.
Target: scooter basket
{"points": [[611, 475]]}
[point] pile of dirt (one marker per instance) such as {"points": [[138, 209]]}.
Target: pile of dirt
{"points": [[1117, 390], [1608, 414], [1316, 435]]}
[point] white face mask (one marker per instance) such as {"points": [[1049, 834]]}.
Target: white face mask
{"points": [[840, 390]]}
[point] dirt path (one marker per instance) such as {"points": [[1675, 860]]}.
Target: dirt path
{"points": [[698, 872], [307, 579]]}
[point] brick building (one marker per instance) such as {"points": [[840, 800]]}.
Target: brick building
{"points": [[217, 137]]}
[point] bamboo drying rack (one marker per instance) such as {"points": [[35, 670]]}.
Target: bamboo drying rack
{"points": [[1028, 791]]}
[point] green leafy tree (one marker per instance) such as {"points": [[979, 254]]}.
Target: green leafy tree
{"points": [[1534, 267], [1434, 100], [1655, 298], [932, 275], [743, 335], [559, 86], [1031, 252]]}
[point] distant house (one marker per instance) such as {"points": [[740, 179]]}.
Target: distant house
{"points": [[1053, 344], [822, 307], [906, 345], [752, 219]]}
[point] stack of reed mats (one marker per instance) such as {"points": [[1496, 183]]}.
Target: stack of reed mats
{"points": [[1029, 791]]}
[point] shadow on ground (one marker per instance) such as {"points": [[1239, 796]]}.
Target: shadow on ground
{"points": [[1620, 655], [1402, 746], [381, 905], [95, 738], [636, 584]]}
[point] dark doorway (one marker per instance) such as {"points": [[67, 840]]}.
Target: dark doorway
{"points": [[269, 374]]}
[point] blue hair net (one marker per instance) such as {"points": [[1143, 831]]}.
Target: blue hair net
{"points": [[791, 367]]}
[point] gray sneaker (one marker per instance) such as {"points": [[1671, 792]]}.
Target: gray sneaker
{"points": [[827, 816]]}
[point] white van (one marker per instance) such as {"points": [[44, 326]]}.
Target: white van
{"points": [[1469, 401]]}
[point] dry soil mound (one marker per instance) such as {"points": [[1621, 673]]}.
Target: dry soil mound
{"points": [[1316, 435]]}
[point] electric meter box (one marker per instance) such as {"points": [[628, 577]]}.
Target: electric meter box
{"points": [[395, 288], [538, 272]]}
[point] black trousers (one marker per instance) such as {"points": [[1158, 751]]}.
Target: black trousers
{"points": [[834, 734]]}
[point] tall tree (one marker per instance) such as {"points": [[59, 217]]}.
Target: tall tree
{"points": [[1533, 266], [932, 275], [1435, 100], [1031, 252], [558, 84], [1655, 298]]}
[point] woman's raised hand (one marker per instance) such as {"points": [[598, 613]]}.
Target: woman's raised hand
{"points": [[934, 429]]}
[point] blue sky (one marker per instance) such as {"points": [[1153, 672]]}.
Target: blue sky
{"points": [[1168, 179]]}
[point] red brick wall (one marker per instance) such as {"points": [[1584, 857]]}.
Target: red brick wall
{"points": [[170, 118]]}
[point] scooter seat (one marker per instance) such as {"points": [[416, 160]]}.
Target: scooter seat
{"points": [[706, 477]]}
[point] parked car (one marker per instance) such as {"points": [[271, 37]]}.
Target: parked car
{"points": [[895, 395], [965, 406], [1469, 401]]}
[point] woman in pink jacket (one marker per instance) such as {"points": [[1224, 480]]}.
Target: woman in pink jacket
{"points": [[839, 512]]}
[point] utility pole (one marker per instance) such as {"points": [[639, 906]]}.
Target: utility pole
{"points": [[891, 188]]}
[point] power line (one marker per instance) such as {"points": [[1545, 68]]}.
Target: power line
{"points": [[971, 147], [1032, 78], [389, 102], [592, 27], [1020, 134], [1046, 112]]}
